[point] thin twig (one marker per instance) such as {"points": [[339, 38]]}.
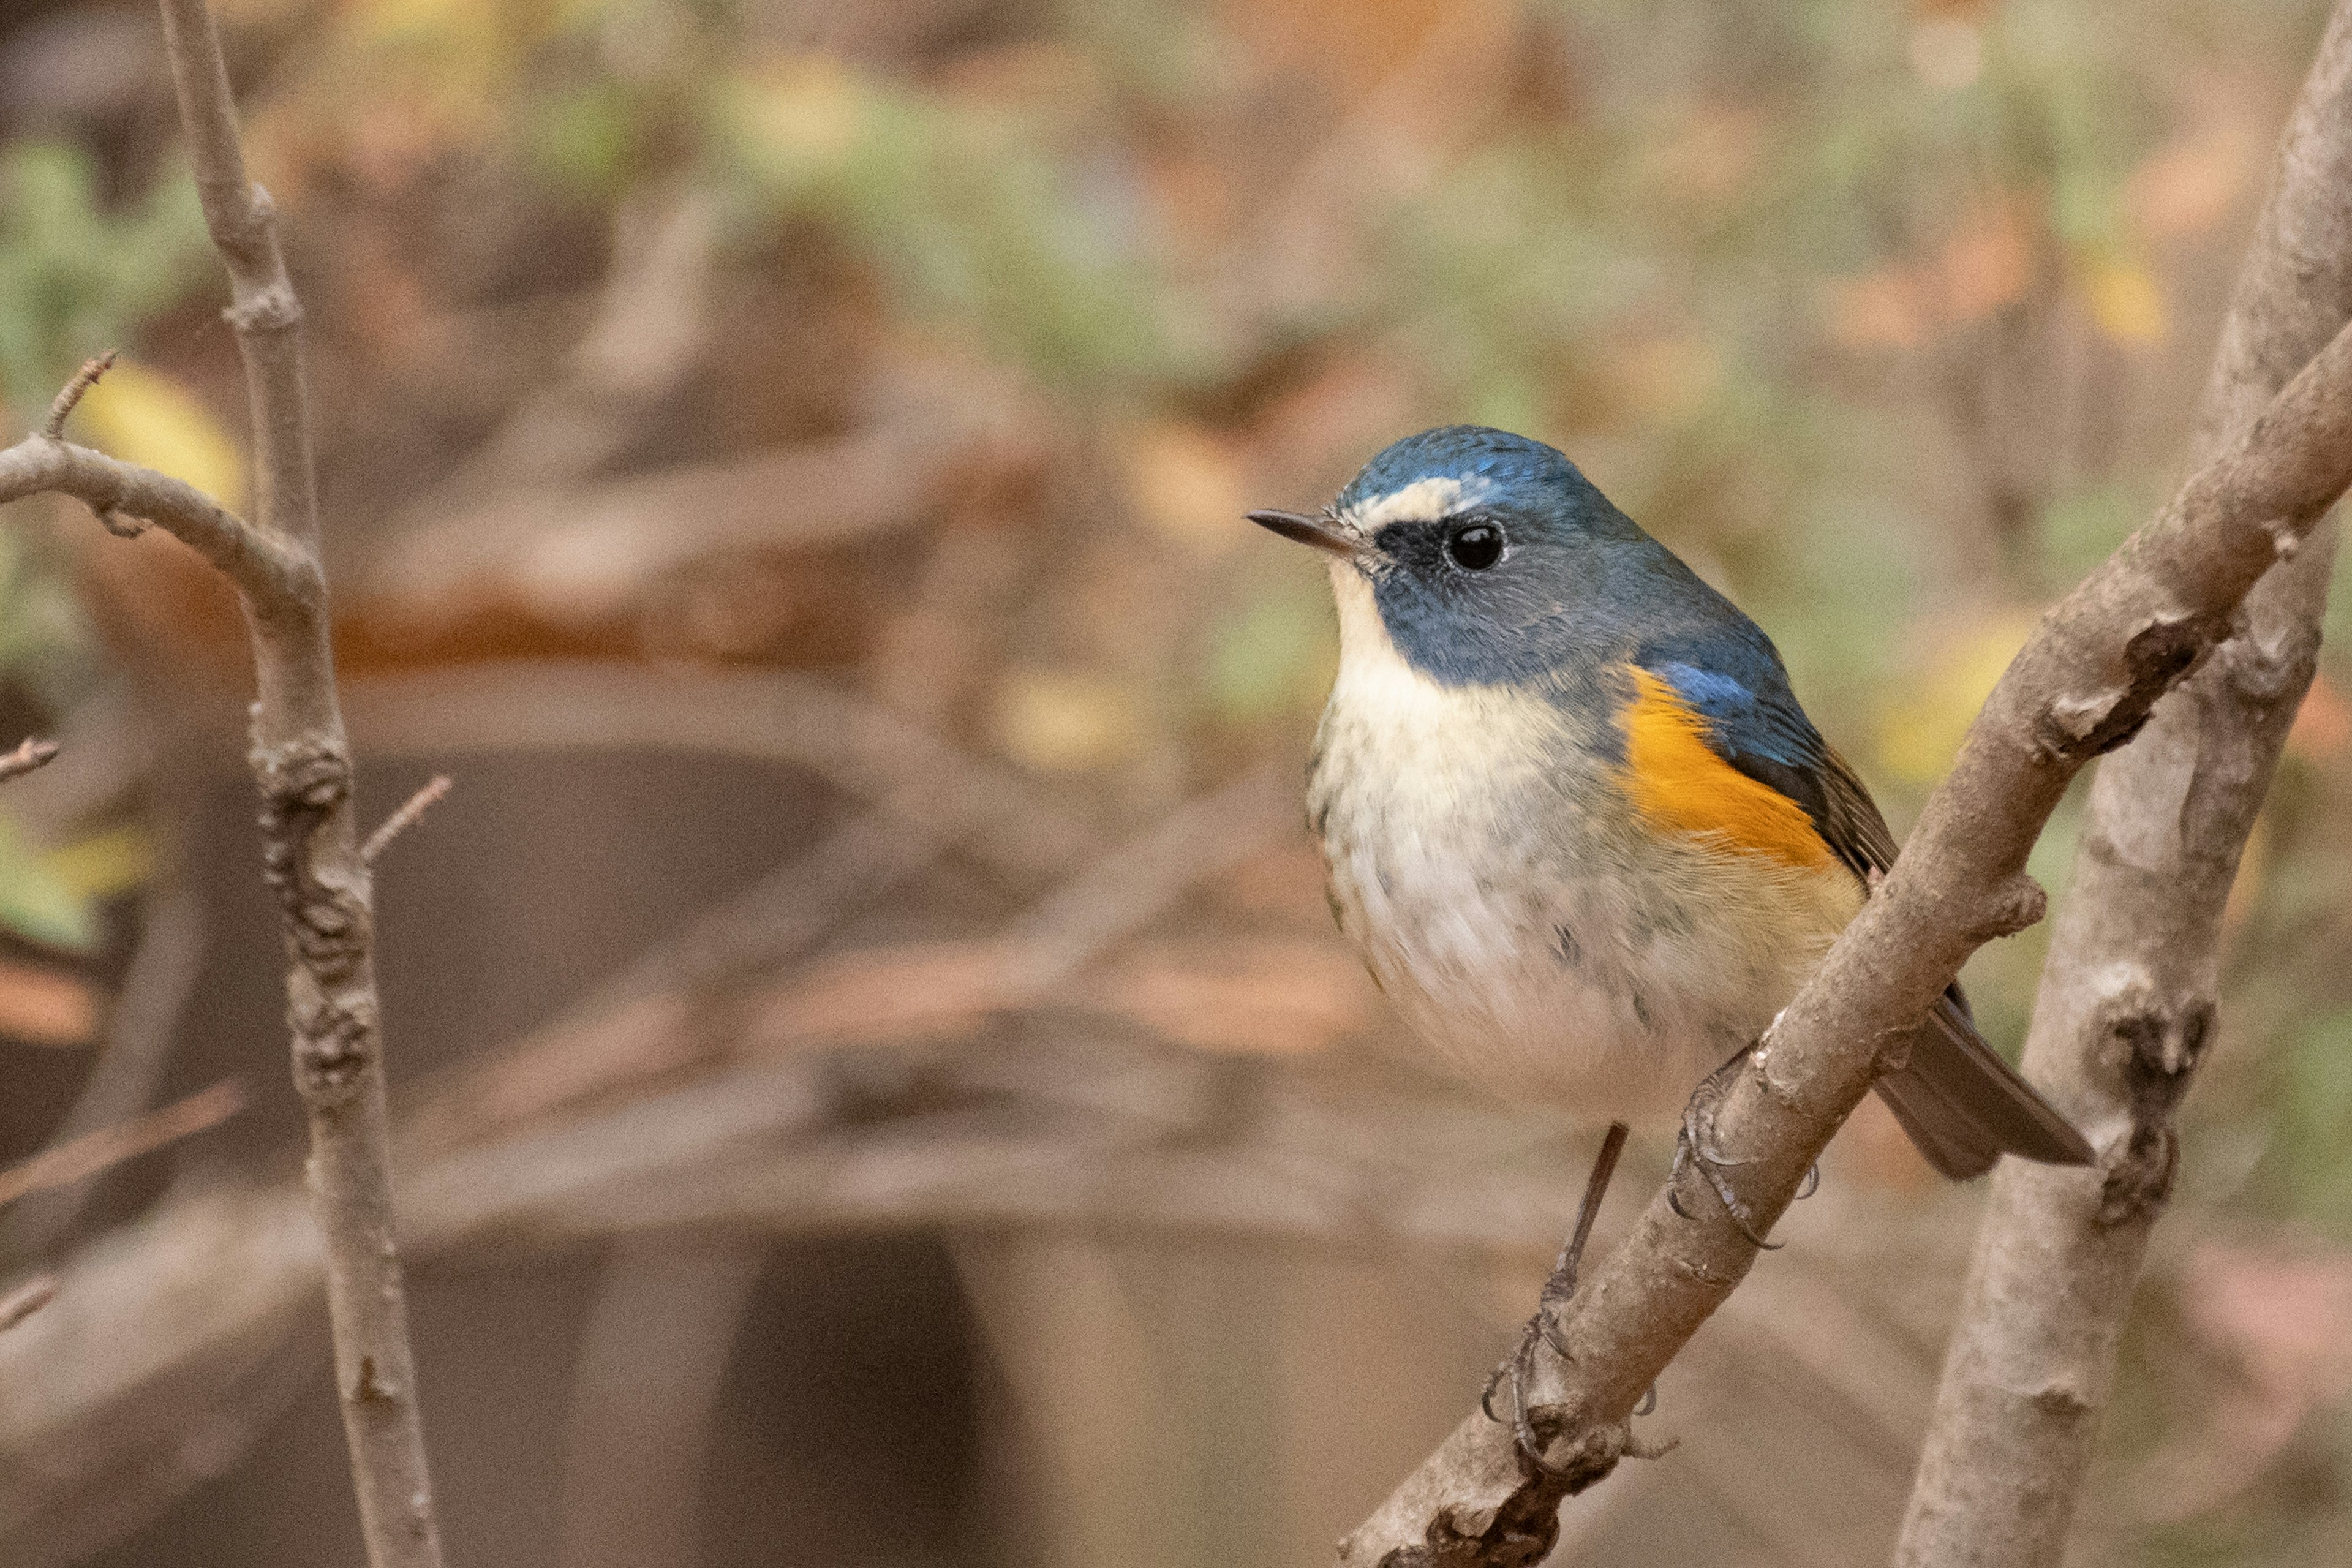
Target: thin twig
{"points": [[31, 753], [2134, 959], [2081, 686], [138, 1037], [54, 426], [277, 578], [26, 1299], [908, 774], [94, 1152], [392, 827], [302, 761]]}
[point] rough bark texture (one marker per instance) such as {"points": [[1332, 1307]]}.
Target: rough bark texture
{"points": [[2083, 685], [2127, 998], [302, 764]]}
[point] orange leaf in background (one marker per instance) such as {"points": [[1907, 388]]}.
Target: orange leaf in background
{"points": [[1348, 46], [43, 1007], [1987, 263], [2322, 725], [1882, 309], [2189, 185], [1194, 198]]}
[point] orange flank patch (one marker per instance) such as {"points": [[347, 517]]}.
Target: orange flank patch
{"points": [[1680, 784]]}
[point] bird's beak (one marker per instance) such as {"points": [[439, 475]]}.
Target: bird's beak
{"points": [[1322, 532]]}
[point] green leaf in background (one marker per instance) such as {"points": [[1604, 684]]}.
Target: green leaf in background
{"points": [[2311, 1102], [1275, 652], [36, 901], [975, 216], [77, 275]]}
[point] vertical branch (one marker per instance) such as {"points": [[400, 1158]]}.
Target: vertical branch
{"points": [[2128, 991], [310, 848]]}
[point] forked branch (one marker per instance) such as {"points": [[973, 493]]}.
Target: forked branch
{"points": [[2128, 991], [2083, 685], [302, 762]]}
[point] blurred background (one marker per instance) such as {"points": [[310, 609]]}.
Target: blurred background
{"points": [[875, 1082]]}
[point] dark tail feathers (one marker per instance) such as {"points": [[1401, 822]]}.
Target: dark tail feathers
{"points": [[1965, 1107]]}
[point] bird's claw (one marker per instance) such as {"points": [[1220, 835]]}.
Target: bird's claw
{"points": [[1518, 1369], [1695, 1149]]}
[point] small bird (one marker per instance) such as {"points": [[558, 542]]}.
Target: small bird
{"points": [[1573, 817]]}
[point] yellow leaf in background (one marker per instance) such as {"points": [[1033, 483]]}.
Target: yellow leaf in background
{"points": [[469, 23], [806, 109], [145, 417], [105, 863], [1670, 378], [1187, 482], [1920, 729], [1064, 721], [2127, 303]]}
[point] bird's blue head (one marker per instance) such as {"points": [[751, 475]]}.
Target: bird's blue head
{"points": [[1488, 557]]}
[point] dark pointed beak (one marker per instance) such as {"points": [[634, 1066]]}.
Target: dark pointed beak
{"points": [[1319, 531]]}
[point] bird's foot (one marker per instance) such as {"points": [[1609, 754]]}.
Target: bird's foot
{"points": [[1518, 1369], [1695, 1149]]}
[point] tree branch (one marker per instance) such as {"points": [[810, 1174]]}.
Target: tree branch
{"points": [[31, 752], [303, 764], [2083, 685], [2128, 991], [279, 583]]}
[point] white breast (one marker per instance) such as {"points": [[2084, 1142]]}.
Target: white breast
{"points": [[1506, 898]]}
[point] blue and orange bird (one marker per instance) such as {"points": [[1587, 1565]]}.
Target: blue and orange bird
{"points": [[1573, 817]]}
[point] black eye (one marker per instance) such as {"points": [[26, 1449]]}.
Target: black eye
{"points": [[1476, 547]]}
